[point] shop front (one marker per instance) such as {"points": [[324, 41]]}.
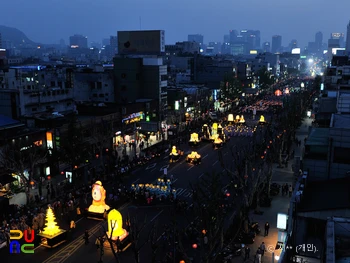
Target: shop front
{"points": [[130, 126]]}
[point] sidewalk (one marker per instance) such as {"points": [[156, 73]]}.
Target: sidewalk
{"points": [[130, 151], [279, 204]]}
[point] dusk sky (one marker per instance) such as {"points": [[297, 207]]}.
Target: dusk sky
{"points": [[47, 21]]}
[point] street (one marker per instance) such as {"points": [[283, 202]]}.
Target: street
{"points": [[152, 216]]}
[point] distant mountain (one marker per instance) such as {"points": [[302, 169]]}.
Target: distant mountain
{"points": [[15, 36]]}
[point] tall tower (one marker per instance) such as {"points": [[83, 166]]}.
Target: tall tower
{"points": [[347, 47], [276, 44], [319, 39]]}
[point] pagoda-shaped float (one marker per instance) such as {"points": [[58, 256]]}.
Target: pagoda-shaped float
{"points": [[52, 235]]}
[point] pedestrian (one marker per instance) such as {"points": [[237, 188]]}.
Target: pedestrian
{"points": [[290, 190], [246, 253], [258, 255], [119, 245], [262, 248], [267, 227], [86, 237]]}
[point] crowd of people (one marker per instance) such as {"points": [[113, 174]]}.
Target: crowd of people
{"points": [[240, 131]]}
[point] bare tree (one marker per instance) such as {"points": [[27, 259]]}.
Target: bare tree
{"points": [[101, 135], [137, 243], [111, 242], [207, 197], [17, 156]]}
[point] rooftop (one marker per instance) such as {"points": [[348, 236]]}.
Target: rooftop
{"points": [[326, 195], [340, 121], [327, 104], [318, 136], [6, 122]]}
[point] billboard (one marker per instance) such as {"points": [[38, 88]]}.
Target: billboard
{"points": [[296, 50], [142, 42]]}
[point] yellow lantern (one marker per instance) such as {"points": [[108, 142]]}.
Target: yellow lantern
{"points": [[115, 225], [262, 118], [230, 118], [194, 137], [242, 120]]}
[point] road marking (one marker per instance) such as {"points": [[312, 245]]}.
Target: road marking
{"points": [[190, 168], [205, 157], [164, 167], [166, 157], [153, 169], [151, 166], [174, 180], [214, 163], [136, 181], [68, 250], [200, 176], [156, 215], [179, 191], [160, 236]]}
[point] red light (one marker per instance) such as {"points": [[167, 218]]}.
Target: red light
{"points": [[62, 172], [75, 167], [228, 194], [106, 150], [48, 177], [194, 246], [97, 155]]}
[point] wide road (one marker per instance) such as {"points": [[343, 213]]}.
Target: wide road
{"points": [[152, 217]]}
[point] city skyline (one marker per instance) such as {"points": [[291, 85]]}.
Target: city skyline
{"points": [[55, 20]]}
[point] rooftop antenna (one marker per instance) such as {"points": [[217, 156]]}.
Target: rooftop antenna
{"points": [[140, 22]]}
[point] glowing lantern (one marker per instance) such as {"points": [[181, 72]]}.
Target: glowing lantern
{"points": [[242, 120], [262, 119], [194, 137], [286, 91], [278, 93], [237, 117], [48, 177], [228, 194], [32, 183], [98, 199], [182, 261], [204, 231], [51, 227], [194, 246], [115, 225], [75, 166], [62, 172], [230, 118], [215, 126]]}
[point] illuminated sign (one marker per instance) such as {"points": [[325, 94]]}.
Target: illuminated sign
{"points": [[16, 247], [38, 143], [296, 51], [177, 105], [253, 52], [133, 117], [282, 221]]}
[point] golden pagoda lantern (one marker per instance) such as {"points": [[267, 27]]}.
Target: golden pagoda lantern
{"points": [[262, 119], [241, 119]]}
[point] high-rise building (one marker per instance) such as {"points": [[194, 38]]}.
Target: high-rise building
{"points": [[196, 38], [266, 47], [276, 44], [347, 48], [113, 41], [233, 36], [226, 38], [341, 37], [78, 41], [293, 44], [0, 41], [319, 39]]}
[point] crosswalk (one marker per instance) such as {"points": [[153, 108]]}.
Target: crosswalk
{"points": [[183, 192]]}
